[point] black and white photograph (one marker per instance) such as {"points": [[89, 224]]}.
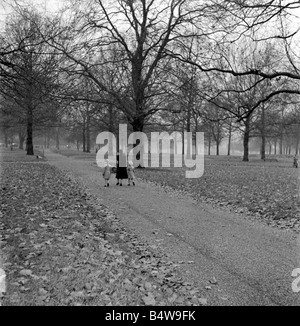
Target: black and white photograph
{"points": [[149, 156]]}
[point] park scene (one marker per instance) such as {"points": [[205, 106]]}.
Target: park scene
{"points": [[149, 153]]}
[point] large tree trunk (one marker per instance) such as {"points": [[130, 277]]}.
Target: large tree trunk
{"points": [[83, 137], [196, 130], [182, 134], [57, 138], [229, 139], [111, 129], [281, 134], [263, 148], [218, 138], [88, 136], [6, 138], [217, 148], [138, 126], [263, 135], [188, 129], [246, 139], [29, 141]]}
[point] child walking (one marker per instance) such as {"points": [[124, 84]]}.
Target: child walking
{"points": [[130, 172], [107, 173]]}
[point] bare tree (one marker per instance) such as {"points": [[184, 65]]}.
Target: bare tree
{"points": [[30, 80], [142, 34], [256, 24]]}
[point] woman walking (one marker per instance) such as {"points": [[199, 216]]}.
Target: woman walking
{"points": [[121, 171]]}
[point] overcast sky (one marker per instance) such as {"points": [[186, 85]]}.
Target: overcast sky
{"points": [[48, 5], [53, 5], [43, 5]]}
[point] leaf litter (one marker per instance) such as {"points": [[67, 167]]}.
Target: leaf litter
{"points": [[61, 247], [258, 190]]}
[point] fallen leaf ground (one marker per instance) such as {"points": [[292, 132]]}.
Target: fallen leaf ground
{"points": [[267, 190], [58, 248]]}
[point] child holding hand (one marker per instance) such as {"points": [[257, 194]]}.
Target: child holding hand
{"points": [[130, 172], [107, 173]]}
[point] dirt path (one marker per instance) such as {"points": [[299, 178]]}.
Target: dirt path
{"points": [[236, 261]]}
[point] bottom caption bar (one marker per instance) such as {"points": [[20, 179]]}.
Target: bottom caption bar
{"points": [[139, 314]]}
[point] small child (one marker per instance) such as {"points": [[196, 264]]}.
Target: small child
{"points": [[107, 173], [130, 171]]}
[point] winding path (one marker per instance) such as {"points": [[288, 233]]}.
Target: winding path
{"points": [[234, 260]]}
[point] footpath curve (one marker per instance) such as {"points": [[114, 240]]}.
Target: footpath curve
{"points": [[234, 260]]}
